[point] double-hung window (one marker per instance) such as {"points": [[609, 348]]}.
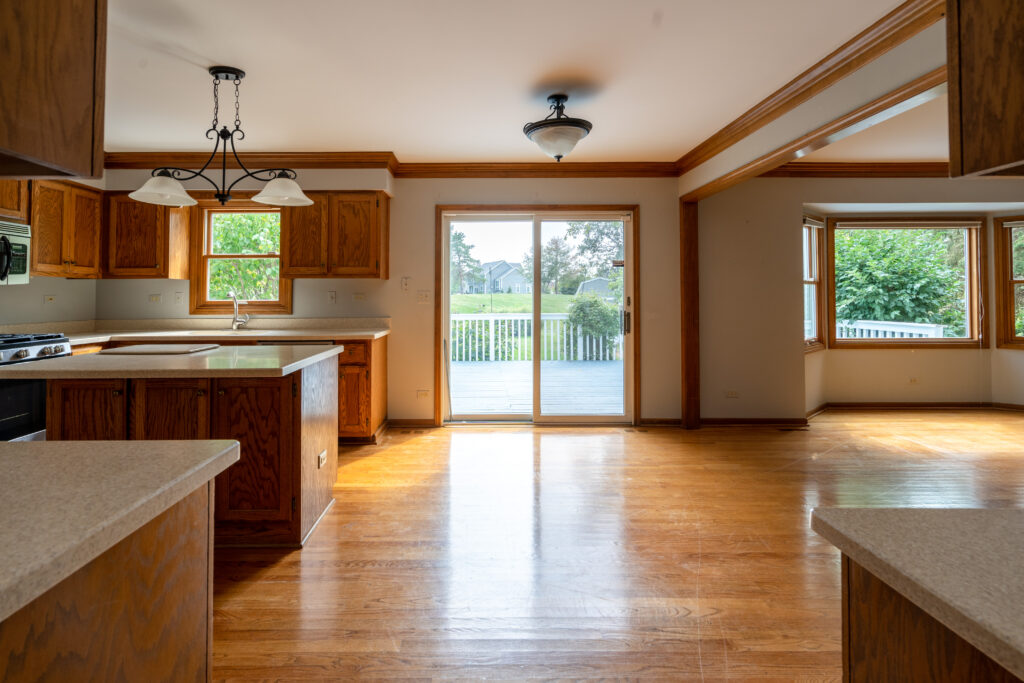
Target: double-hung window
{"points": [[1009, 254], [237, 250], [813, 238], [905, 282]]}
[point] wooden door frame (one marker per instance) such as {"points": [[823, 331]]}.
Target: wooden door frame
{"points": [[439, 264]]}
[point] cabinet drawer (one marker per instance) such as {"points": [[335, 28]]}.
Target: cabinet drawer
{"points": [[354, 353]]}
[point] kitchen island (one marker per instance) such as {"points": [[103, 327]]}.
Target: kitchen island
{"points": [[106, 566], [930, 594], [279, 402]]}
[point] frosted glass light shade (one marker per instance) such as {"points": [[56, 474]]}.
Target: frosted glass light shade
{"points": [[163, 190], [282, 192]]}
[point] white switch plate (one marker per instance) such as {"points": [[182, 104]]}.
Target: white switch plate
{"points": [[405, 283], [155, 298], [332, 297], [49, 299], [321, 459], [422, 393], [179, 298]]}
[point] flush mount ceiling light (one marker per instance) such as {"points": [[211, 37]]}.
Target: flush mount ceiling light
{"points": [[557, 134], [165, 186]]}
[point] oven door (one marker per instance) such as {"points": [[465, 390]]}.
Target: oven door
{"points": [[22, 409], [14, 259]]}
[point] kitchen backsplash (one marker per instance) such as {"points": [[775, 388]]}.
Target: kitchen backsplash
{"points": [[48, 299]]}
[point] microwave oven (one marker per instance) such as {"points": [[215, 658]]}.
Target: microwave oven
{"points": [[15, 246]]}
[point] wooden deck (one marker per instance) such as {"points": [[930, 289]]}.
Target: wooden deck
{"points": [[567, 388]]}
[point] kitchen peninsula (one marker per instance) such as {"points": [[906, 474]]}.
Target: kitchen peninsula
{"points": [[279, 402]]}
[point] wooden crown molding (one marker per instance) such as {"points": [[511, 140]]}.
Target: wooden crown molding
{"points": [[859, 169], [306, 160], [819, 137], [897, 26], [601, 169]]}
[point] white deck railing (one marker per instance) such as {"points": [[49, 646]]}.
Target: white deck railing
{"points": [[877, 329], [509, 336]]}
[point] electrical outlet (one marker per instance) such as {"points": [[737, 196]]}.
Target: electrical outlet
{"points": [[405, 283], [422, 393], [359, 296], [155, 298], [332, 297], [179, 298], [913, 380], [423, 296], [732, 393], [49, 299], [321, 459]]}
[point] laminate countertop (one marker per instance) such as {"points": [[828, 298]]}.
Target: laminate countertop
{"points": [[64, 503], [152, 336], [964, 567], [225, 361]]}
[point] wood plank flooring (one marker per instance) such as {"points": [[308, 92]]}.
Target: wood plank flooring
{"points": [[518, 552]]}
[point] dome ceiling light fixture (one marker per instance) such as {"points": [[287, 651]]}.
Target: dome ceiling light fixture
{"points": [[557, 134], [165, 187]]}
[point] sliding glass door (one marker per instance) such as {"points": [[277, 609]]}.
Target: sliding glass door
{"points": [[537, 317]]}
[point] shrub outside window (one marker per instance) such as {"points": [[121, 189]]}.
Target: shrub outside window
{"points": [[905, 283]]}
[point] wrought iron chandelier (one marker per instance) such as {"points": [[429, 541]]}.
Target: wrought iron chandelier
{"points": [[165, 188], [557, 134]]}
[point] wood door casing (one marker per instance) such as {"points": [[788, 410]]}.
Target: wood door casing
{"points": [[170, 409], [82, 232], [49, 216], [86, 410], [353, 400], [14, 200], [353, 241], [257, 413], [304, 237], [137, 238]]}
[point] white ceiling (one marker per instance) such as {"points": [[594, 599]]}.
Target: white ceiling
{"points": [[455, 80], [921, 134]]}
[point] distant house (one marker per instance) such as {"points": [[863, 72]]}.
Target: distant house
{"points": [[500, 277], [598, 286]]}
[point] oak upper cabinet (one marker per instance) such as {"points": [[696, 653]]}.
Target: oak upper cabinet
{"points": [[54, 60], [145, 240], [304, 237], [342, 234], [65, 223], [14, 200], [986, 87]]}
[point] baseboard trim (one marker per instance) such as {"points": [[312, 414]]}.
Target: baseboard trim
{"points": [[909, 405], [659, 422], [752, 421], [814, 411], [416, 422], [1008, 406]]}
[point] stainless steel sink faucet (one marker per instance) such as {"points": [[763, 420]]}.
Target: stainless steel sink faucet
{"points": [[238, 323]]}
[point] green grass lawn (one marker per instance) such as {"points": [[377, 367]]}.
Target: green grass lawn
{"points": [[508, 303]]}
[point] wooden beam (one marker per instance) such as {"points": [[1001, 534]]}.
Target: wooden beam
{"points": [[902, 23], [860, 169], [689, 296]]}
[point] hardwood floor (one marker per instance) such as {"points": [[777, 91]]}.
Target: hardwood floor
{"points": [[517, 552]]}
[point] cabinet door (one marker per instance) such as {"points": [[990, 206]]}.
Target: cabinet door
{"points": [[86, 410], [353, 400], [353, 242], [49, 214], [14, 200], [137, 238], [170, 409], [82, 232], [258, 414], [304, 238]]}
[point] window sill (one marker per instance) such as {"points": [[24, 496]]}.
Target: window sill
{"points": [[909, 345], [811, 347]]}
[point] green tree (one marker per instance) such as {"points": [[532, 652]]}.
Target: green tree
{"points": [[251, 279], [595, 319], [465, 270], [600, 243], [556, 261], [909, 275]]}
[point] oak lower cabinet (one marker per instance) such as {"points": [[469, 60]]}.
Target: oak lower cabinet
{"points": [[341, 234], [145, 240], [65, 220], [286, 427], [362, 389], [14, 200]]}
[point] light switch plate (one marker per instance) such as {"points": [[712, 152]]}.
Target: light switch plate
{"points": [[321, 459]]}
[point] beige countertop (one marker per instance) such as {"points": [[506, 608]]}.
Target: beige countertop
{"points": [[64, 503], [964, 567], [225, 361], [105, 336]]}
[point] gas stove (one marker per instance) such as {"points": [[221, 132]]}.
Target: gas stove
{"points": [[19, 348]]}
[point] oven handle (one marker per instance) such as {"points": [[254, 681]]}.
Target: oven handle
{"points": [[6, 257]]}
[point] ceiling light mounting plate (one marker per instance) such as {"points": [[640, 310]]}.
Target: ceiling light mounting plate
{"points": [[227, 73]]}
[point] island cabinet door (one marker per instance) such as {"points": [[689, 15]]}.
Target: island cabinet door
{"points": [[353, 400], [86, 410], [170, 409], [258, 414]]}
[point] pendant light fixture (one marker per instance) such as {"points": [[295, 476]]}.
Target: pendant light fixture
{"points": [[165, 186], [557, 134]]}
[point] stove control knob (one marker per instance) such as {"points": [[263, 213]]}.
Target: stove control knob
{"points": [[46, 351], [18, 355]]}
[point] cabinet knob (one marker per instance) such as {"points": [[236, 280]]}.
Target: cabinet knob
{"points": [[117, 392], [220, 392], [201, 392]]}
